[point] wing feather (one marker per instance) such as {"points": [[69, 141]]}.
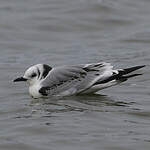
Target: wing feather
{"points": [[74, 79]]}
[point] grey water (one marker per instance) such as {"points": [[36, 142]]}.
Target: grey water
{"points": [[63, 32]]}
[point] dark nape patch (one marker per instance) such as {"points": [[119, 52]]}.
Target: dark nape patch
{"points": [[46, 70]]}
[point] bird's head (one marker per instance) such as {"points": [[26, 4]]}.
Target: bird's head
{"points": [[34, 74]]}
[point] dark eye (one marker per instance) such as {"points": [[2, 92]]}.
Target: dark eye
{"points": [[33, 75]]}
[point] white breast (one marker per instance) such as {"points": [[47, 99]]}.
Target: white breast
{"points": [[34, 90]]}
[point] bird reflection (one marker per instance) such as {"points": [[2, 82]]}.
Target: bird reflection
{"points": [[82, 103]]}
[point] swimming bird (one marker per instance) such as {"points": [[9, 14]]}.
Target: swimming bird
{"points": [[45, 81]]}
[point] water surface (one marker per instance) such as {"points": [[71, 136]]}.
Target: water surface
{"points": [[62, 32]]}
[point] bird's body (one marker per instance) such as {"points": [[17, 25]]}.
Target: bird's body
{"points": [[72, 80]]}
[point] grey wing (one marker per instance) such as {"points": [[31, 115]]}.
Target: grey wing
{"points": [[74, 79]]}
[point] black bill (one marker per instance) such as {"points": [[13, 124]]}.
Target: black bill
{"points": [[20, 79]]}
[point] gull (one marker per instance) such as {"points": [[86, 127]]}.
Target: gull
{"points": [[45, 81]]}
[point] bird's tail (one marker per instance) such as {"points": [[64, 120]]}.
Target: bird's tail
{"points": [[122, 75], [129, 70]]}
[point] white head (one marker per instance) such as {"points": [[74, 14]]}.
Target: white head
{"points": [[35, 74]]}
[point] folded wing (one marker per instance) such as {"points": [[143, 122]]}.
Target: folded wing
{"points": [[68, 80]]}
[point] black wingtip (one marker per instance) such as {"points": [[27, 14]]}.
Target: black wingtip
{"points": [[129, 70], [132, 75]]}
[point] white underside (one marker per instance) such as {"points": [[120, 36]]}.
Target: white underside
{"points": [[99, 87], [93, 89], [34, 90]]}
